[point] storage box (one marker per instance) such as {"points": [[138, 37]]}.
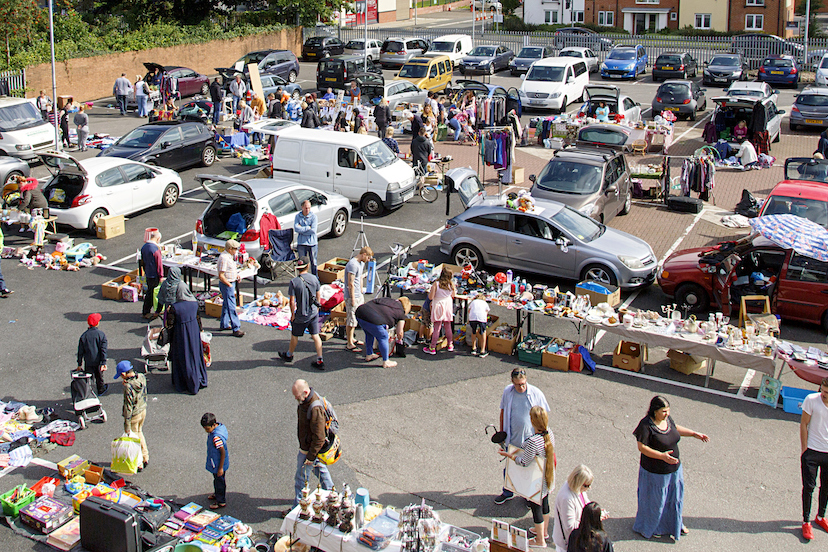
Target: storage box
{"points": [[110, 226], [250, 161], [46, 514], [555, 361], [213, 309], [338, 314], [93, 474], [112, 288], [499, 344], [25, 497], [414, 322], [792, 398], [72, 466], [38, 487], [532, 357], [613, 298], [629, 356], [330, 272], [99, 490], [685, 362]]}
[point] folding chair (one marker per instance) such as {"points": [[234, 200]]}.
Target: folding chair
{"points": [[281, 259]]}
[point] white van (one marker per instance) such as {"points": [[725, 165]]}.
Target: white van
{"points": [[358, 166], [23, 132], [455, 47], [552, 83]]}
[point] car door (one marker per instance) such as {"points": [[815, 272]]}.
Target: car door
{"points": [[188, 83], [774, 120], [632, 111], [337, 47], [640, 63], [698, 95], [350, 173], [284, 207], [592, 61], [802, 292], [489, 232], [192, 145], [610, 193], [145, 191], [318, 206], [166, 151], [116, 192], [531, 246]]}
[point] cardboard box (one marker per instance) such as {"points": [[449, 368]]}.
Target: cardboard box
{"points": [[338, 314], [517, 175], [72, 466], [332, 270], [413, 323], [685, 362], [93, 474], [112, 288], [613, 298], [213, 309], [499, 344], [555, 361], [110, 226], [629, 356]]}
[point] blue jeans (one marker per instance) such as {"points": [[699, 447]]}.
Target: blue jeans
{"points": [[229, 318], [216, 113], [374, 331], [310, 252], [142, 105], [236, 100], [2, 281], [220, 488], [303, 474], [455, 124], [122, 103]]}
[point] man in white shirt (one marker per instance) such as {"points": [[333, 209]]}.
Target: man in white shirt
{"points": [[813, 435], [353, 294], [121, 90], [237, 90], [228, 274]]}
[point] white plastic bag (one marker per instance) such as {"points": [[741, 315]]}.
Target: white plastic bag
{"points": [[126, 454]]}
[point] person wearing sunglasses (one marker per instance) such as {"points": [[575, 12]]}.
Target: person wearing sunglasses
{"points": [[569, 503]]}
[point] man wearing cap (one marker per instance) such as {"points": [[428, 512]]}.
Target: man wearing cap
{"points": [[304, 308], [304, 225], [153, 270], [518, 399], [228, 275], [135, 404], [353, 294], [92, 352]]}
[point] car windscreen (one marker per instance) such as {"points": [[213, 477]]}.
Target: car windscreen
{"points": [[814, 210], [535, 53], [331, 66], [410, 71], [815, 100], [603, 136], [621, 54], [392, 46], [746, 93], [568, 177], [20, 116], [824, 63], [441, 47], [378, 154], [668, 60], [725, 61], [141, 137], [674, 89], [806, 169], [777, 63], [570, 53], [546, 74], [355, 45], [580, 226], [482, 51], [315, 41], [254, 57]]}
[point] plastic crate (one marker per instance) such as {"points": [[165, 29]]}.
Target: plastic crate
{"points": [[532, 357], [13, 509], [792, 398], [452, 534]]}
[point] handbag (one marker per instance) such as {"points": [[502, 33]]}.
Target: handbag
{"points": [[164, 336]]}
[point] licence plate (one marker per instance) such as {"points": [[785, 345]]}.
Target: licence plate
{"points": [[535, 102], [408, 195], [777, 72], [330, 79], [666, 68], [311, 54], [671, 109], [719, 80], [814, 121], [615, 76]]}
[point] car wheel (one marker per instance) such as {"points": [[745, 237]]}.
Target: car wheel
{"points": [[776, 138], [93, 219], [205, 89], [825, 322], [467, 255], [792, 126], [627, 204], [371, 204], [11, 175], [296, 95], [170, 196], [692, 115], [292, 75], [491, 69], [564, 103], [208, 156], [692, 296], [340, 223], [599, 273], [684, 75]]}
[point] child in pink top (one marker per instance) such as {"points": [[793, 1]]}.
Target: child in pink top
{"points": [[740, 132]]}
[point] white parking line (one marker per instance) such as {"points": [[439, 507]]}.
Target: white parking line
{"points": [[746, 382], [413, 245], [397, 228], [119, 261]]}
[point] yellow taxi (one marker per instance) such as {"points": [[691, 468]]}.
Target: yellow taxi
{"points": [[428, 73]]}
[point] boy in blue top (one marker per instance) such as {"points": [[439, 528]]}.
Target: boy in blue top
{"points": [[218, 458]]}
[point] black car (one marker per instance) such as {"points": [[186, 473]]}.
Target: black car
{"points": [[673, 65], [282, 63], [319, 47], [340, 71], [724, 69], [170, 144]]}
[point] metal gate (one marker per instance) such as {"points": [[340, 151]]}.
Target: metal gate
{"points": [[16, 82]]}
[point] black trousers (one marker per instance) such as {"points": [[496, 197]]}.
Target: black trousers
{"points": [[220, 487], [152, 283], [812, 462], [96, 371]]}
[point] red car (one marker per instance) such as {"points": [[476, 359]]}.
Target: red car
{"points": [[190, 82], [804, 192], [719, 276]]}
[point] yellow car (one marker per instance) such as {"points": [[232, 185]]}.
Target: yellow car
{"points": [[428, 73]]}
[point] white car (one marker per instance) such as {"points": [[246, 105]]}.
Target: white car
{"points": [[755, 90], [488, 5], [81, 192], [822, 71], [252, 198], [358, 47], [585, 54]]}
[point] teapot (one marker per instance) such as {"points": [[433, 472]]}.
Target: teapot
{"points": [[691, 325]]}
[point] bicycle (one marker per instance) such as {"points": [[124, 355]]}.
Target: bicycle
{"points": [[428, 192], [399, 256]]}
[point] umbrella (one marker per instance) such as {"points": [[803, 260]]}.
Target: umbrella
{"points": [[792, 232]]}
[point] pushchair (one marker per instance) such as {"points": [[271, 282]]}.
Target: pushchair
{"points": [[84, 399], [154, 355]]}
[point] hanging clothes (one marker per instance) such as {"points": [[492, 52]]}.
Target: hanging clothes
{"points": [[698, 175], [761, 141]]}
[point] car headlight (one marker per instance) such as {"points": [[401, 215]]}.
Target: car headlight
{"points": [[23, 147], [521, 93], [631, 262], [604, 67], [554, 95], [707, 71], [484, 62], [392, 186], [587, 209]]}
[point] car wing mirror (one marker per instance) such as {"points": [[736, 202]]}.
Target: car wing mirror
{"points": [[611, 189], [570, 80], [563, 243], [532, 178], [781, 112], [165, 145]]}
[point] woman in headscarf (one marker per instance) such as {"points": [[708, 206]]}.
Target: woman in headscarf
{"points": [[189, 370], [173, 289]]}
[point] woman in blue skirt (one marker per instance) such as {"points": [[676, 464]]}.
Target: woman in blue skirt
{"points": [[660, 475]]}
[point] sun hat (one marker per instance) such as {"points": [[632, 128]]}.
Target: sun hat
{"points": [[231, 244], [93, 319], [122, 368], [28, 415], [303, 262]]}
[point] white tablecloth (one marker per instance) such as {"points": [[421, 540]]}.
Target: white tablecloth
{"points": [[190, 261], [324, 537]]}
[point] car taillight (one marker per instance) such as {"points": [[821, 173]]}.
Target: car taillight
{"points": [[658, 99], [762, 70], [681, 67], [199, 226], [345, 74], [317, 72], [793, 71], [794, 108], [687, 101], [81, 200], [450, 224], [248, 96], [250, 235], [400, 53]]}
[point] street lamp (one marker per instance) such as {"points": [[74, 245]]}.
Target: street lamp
{"points": [[362, 7], [54, 78]]}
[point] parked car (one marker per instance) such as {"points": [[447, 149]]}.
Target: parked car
{"points": [[780, 69], [396, 51], [754, 47], [810, 108], [189, 81], [821, 76], [554, 240], [740, 108], [606, 135], [339, 71], [271, 82], [171, 144], [81, 192], [431, 73], [456, 47], [484, 91], [374, 89], [359, 47], [269, 127], [318, 47], [593, 181], [682, 97], [717, 277], [612, 97], [585, 54], [488, 5], [526, 57], [752, 89], [23, 132], [674, 65], [253, 198], [579, 36], [486, 59], [724, 69], [552, 83], [10, 167], [624, 62], [282, 63], [804, 192]]}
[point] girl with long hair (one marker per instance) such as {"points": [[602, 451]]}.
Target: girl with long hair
{"points": [[590, 536], [442, 310]]}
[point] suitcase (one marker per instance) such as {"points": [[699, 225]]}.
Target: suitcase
{"points": [[683, 204], [108, 527]]}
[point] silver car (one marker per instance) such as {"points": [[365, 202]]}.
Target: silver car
{"points": [[12, 166], [395, 91], [612, 97], [397, 51], [810, 108], [358, 47], [553, 240], [585, 54]]}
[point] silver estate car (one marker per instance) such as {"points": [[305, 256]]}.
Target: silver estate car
{"points": [[553, 240]]}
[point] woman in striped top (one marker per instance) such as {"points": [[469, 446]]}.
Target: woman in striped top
{"points": [[541, 444]]}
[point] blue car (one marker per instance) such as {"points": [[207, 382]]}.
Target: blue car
{"points": [[780, 69], [625, 62]]}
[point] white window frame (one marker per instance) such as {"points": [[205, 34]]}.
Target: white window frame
{"points": [[754, 17], [578, 16], [673, 16], [703, 16], [550, 17], [647, 1], [754, 2], [606, 18]]}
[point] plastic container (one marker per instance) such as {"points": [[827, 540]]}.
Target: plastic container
{"points": [[456, 533], [13, 508], [792, 398]]}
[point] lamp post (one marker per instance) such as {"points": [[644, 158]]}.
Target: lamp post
{"points": [[807, 23], [54, 78], [362, 7]]}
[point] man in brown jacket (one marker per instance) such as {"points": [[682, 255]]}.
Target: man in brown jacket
{"points": [[311, 433]]}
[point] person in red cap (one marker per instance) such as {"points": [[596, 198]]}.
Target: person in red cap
{"points": [[30, 195], [92, 352]]}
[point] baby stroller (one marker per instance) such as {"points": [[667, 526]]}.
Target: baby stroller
{"points": [[84, 399], [154, 355]]}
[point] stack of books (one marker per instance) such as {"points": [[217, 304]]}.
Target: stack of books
{"points": [[66, 537]]}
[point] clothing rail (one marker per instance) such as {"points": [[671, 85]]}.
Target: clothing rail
{"points": [[480, 132]]}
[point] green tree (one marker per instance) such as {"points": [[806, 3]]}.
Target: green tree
{"points": [[508, 7], [813, 24], [307, 12], [21, 18]]}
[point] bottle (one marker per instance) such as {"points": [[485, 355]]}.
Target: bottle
{"points": [[195, 242]]}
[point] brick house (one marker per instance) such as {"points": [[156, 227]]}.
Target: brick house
{"points": [[768, 16], [641, 16]]}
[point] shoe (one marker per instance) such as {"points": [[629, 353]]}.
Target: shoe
{"points": [[140, 469], [429, 351], [484, 354], [807, 531], [501, 498], [223, 329], [146, 464], [147, 316], [105, 389], [684, 529], [451, 348], [474, 352], [217, 505], [5, 292], [318, 364], [286, 357], [822, 522], [238, 333]]}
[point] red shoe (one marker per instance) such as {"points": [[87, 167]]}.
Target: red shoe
{"points": [[807, 531], [822, 522]]}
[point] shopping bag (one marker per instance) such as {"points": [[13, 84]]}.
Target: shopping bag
{"points": [[126, 454], [442, 132]]}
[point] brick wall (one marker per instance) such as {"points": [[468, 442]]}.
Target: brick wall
{"points": [[773, 23], [92, 78], [592, 9]]}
